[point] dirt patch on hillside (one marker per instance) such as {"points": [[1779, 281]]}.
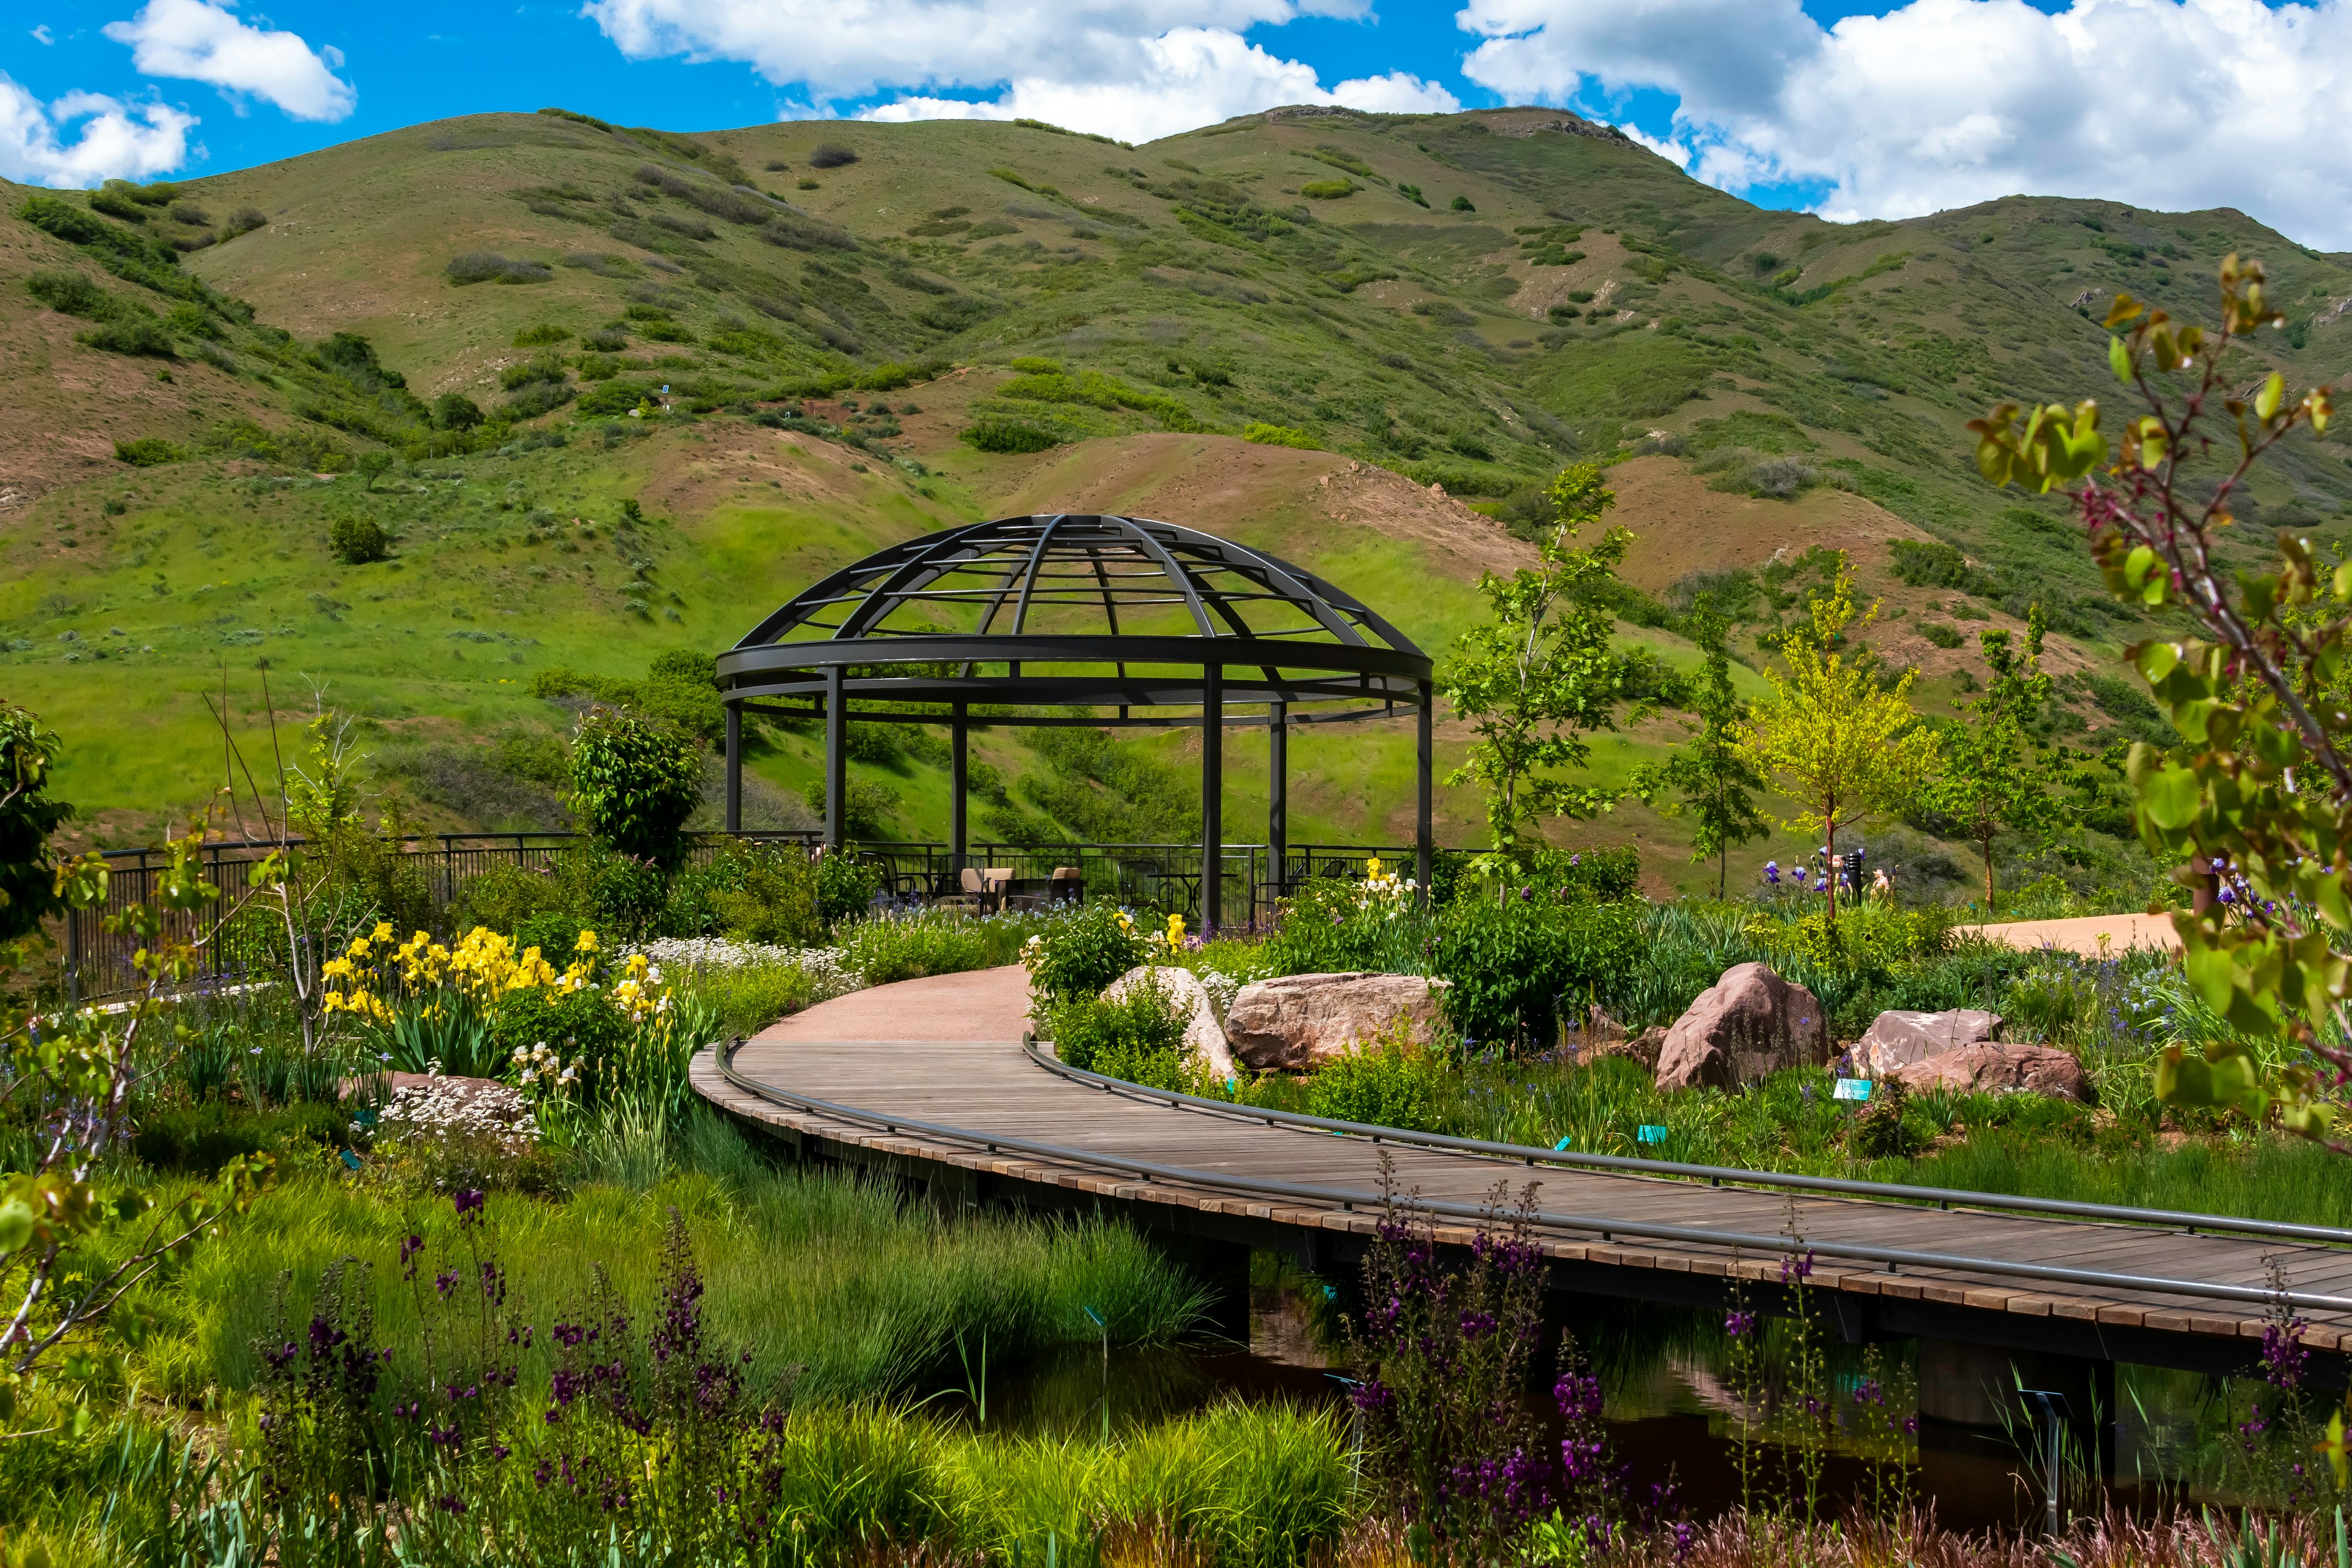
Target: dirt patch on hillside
{"points": [[1680, 526], [1223, 486]]}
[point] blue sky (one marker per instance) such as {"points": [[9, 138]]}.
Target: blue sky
{"points": [[1856, 111]]}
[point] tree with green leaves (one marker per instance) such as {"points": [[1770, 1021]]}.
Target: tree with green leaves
{"points": [[1833, 738], [633, 784], [1994, 779], [28, 817], [1540, 673], [2253, 806], [1713, 776]]}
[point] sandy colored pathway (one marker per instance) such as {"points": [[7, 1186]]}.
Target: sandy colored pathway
{"points": [[2090, 935], [990, 1005]]}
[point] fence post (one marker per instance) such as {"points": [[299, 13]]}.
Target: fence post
{"points": [[73, 958]]}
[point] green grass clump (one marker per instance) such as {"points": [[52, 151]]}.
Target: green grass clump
{"points": [[836, 1289], [1267, 435], [1329, 190], [1009, 436]]}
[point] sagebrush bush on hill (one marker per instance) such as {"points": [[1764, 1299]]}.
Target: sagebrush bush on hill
{"points": [[489, 267]]}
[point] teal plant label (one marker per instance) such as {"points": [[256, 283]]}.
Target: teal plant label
{"points": [[1852, 1088], [1649, 1134]]}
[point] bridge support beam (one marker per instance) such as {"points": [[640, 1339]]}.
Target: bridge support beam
{"points": [[1969, 1404], [1222, 1269]]}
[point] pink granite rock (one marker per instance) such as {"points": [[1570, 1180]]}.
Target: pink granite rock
{"points": [[1747, 1025], [2000, 1069], [1298, 1021]]}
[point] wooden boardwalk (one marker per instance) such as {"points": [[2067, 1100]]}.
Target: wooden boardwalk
{"points": [[945, 1051]]}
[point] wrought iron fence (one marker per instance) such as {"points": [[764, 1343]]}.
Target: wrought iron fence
{"points": [[1164, 877]]}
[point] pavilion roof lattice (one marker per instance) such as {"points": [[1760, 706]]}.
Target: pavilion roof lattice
{"points": [[1062, 575]]}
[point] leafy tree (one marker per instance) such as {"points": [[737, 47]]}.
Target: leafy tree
{"points": [[372, 466], [635, 784], [1540, 673], [1991, 778], [1831, 739], [2254, 804], [358, 541], [1714, 774], [455, 411], [28, 870]]}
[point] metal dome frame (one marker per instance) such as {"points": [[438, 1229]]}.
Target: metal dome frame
{"points": [[871, 643]]}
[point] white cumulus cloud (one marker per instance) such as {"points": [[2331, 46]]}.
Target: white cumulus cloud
{"points": [[1135, 69], [1938, 103], [203, 40], [83, 138]]}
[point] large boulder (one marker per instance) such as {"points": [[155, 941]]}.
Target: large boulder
{"points": [[1299, 1021], [1205, 1042], [1747, 1025], [2000, 1069], [1897, 1039]]}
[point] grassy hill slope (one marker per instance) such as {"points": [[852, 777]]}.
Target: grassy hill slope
{"points": [[1770, 384]]}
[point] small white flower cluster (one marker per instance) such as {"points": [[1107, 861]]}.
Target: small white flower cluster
{"points": [[828, 972], [714, 953], [540, 1065], [442, 1110]]}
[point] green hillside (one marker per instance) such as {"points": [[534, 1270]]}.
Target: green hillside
{"points": [[1464, 302]]}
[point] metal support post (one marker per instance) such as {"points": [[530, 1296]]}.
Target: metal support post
{"points": [[958, 836], [1213, 793], [1424, 756], [734, 768], [836, 762], [1278, 798]]}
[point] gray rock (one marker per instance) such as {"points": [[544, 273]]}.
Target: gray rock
{"points": [[1898, 1039], [1747, 1025], [2000, 1069], [1205, 1042], [1298, 1021]]}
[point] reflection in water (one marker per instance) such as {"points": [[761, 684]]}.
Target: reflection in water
{"points": [[1674, 1409]]}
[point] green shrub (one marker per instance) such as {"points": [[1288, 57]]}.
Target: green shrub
{"points": [[748, 997], [540, 335], [1009, 436], [1462, 204], [1512, 961], [115, 203], [358, 541], [890, 948], [1267, 435], [1082, 953], [1941, 635], [202, 1138], [1385, 1082], [245, 220], [149, 451], [1329, 190], [830, 156], [132, 332], [1138, 1038], [763, 894], [455, 411], [73, 293], [489, 267], [633, 784], [1333, 925], [845, 887]]}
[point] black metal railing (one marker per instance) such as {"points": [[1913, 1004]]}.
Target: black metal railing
{"points": [[1163, 878]]}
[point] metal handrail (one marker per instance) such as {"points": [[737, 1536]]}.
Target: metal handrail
{"points": [[1715, 1175], [1606, 1229]]}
